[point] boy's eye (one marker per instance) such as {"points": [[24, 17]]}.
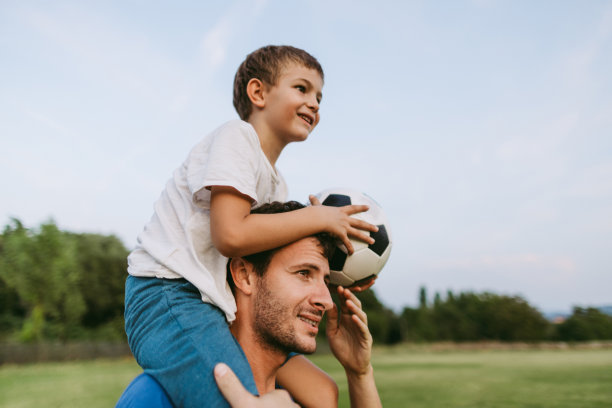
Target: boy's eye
{"points": [[301, 88]]}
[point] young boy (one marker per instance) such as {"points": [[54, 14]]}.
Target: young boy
{"points": [[178, 303]]}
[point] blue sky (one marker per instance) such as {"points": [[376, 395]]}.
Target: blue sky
{"points": [[484, 127]]}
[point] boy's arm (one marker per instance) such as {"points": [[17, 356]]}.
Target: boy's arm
{"points": [[237, 232], [351, 342], [308, 384]]}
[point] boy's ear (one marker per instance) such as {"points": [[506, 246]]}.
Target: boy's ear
{"points": [[256, 92], [243, 275]]}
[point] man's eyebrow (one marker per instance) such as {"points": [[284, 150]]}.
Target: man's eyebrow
{"points": [[307, 265]]}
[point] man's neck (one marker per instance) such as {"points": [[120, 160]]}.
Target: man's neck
{"points": [[264, 361]]}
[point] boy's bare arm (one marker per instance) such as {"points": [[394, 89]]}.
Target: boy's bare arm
{"points": [[237, 232]]}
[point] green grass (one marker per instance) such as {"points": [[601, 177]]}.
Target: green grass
{"points": [[406, 377]]}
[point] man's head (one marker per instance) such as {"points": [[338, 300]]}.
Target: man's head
{"points": [[267, 64], [282, 294]]}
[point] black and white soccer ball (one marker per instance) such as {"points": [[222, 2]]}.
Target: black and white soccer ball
{"points": [[367, 260]]}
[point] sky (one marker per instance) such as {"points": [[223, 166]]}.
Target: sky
{"points": [[483, 127]]}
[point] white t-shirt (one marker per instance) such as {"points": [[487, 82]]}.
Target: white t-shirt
{"points": [[176, 242]]}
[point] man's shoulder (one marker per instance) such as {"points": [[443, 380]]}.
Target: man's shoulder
{"points": [[144, 392]]}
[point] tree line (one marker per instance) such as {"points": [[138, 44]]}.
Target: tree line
{"points": [[62, 285]]}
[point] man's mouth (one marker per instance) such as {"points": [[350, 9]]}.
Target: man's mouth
{"points": [[309, 321]]}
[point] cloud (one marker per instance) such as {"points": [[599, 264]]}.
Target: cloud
{"points": [[216, 42]]}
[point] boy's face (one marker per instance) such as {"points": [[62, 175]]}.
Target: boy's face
{"points": [[292, 104]]}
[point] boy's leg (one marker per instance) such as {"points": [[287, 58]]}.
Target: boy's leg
{"points": [[178, 339]]}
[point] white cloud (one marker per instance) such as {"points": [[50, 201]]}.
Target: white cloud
{"points": [[216, 42]]}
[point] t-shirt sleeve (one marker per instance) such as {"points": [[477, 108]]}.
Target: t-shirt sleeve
{"points": [[231, 158]]}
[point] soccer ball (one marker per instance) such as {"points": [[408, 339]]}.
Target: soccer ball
{"points": [[367, 260]]}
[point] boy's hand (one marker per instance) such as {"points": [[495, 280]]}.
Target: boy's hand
{"points": [[348, 334], [341, 225], [237, 396]]}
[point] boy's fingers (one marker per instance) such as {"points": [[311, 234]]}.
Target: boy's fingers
{"points": [[349, 246], [363, 225], [362, 236], [355, 208], [231, 387], [314, 200]]}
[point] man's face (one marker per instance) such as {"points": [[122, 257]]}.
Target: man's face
{"points": [[292, 297]]}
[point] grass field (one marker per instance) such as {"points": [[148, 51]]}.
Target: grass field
{"points": [[406, 377]]}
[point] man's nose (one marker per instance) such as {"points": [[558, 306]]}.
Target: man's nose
{"points": [[322, 298]]}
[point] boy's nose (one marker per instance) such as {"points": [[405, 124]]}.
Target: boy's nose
{"points": [[313, 104]]}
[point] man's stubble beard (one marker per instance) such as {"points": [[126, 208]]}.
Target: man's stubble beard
{"points": [[273, 323]]}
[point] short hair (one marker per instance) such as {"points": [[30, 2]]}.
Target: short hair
{"points": [[261, 260], [266, 64]]}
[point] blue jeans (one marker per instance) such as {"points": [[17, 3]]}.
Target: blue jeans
{"points": [[178, 339]]}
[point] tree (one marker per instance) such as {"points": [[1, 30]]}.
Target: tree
{"points": [[586, 324], [102, 262], [40, 265]]}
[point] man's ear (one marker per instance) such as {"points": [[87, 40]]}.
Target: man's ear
{"points": [[256, 92], [243, 275]]}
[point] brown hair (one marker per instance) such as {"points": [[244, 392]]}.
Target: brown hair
{"points": [[266, 64], [261, 260]]}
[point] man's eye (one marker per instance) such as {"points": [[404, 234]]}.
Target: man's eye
{"points": [[304, 273]]}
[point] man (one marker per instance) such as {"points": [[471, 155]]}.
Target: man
{"points": [[281, 297]]}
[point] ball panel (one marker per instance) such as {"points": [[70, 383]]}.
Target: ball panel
{"points": [[385, 256], [381, 240], [338, 278], [337, 200], [336, 262], [362, 264]]}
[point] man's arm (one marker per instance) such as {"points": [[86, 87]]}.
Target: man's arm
{"points": [[308, 384], [351, 342]]}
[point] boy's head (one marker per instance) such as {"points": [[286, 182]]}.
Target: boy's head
{"points": [[266, 64]]}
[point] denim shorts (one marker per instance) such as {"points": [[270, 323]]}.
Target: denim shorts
{"points": [[178, 339]]}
